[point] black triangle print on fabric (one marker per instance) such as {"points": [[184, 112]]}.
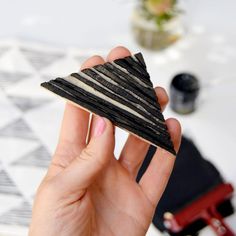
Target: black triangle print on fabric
{"points": [[19, 215], [122, 92], [7, 186], [40, 59], [25, 103], [17, 129], [39, 157], [9, 78]]}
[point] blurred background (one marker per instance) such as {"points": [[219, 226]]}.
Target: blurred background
{"points": [[40, 40]]}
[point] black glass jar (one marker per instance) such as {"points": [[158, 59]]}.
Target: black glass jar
{"points": [[184, 89]]}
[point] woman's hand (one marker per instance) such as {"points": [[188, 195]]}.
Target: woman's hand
{"points": [[87, 191]]}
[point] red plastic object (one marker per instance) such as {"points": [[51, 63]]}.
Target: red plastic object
{"points": [[203, 208]]}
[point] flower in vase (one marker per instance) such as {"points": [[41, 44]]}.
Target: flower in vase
{"points": [[159, 7]]}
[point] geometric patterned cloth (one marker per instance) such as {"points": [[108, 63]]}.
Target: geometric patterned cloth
{"points": [[30, 117], [29, 123]]}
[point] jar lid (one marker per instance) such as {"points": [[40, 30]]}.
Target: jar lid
{"points": [[185, 82]]}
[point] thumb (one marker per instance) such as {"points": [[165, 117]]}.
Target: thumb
{"points": [[84, 169]]}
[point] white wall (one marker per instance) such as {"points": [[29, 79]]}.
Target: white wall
{"points": [[100, 23]]}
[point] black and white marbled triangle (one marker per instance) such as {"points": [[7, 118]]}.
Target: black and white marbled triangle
{"points": [[18, 129], [120, 91], [25, 103], [40, 157], [40, 59], [7, 186], [10, 78], [19, 215]]}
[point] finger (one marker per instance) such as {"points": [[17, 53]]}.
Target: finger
{"points": [[174, 129], [75, 121], [162, 97], [92, 123], [92, 61], [118, 52], [74, 129], [94, 158], [156, 177], [135, 149]]}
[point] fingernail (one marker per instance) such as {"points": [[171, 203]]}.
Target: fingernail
{"points": [[100, 126]]}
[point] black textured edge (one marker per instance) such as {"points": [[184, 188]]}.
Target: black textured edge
{"points": [[130, 68], [74, 90], [136, 127], [143, 90], [140, 58], [119, 91]]}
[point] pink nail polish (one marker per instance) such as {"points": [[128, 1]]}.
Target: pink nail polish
{"points": [[100, 125]]}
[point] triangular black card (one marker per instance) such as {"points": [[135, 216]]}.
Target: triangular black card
{"points": [[122, 92]]}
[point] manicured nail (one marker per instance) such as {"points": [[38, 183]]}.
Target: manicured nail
{"points": [[100, 126]]}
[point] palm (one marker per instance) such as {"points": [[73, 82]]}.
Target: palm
{"points": [[114, 204], [119, 203]]}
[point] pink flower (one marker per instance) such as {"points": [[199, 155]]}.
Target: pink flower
{"points": [[159, 7]]}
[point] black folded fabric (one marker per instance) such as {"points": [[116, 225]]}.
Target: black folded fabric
{"points": [[120, 91], [192, 177]]}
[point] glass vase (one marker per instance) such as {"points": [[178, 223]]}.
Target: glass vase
{"points": [[149, 35]]}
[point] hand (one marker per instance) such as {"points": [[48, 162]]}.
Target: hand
{"points": [[87, 191]]}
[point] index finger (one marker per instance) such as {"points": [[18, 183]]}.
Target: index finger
{"points": [[75, 120], [74, 128]]}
